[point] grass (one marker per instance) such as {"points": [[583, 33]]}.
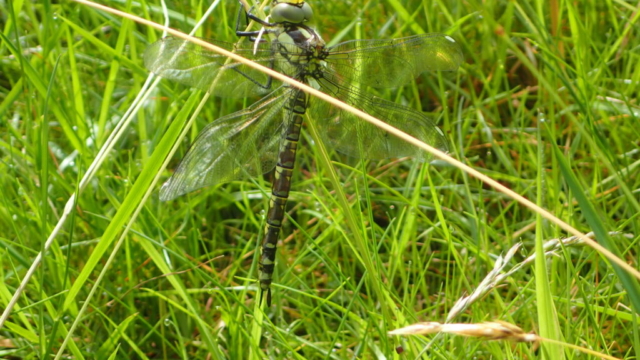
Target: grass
{"points": [[545, 104]]}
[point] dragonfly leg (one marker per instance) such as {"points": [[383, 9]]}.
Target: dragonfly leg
{"points": [[253, 35], [260, 21], [250, 16]]}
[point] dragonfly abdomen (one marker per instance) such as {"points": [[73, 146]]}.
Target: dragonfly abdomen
{"points": [[280, 189]]}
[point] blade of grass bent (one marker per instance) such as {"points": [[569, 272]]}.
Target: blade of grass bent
{"points": [[593, 219], [118, 131], [126, 215], [127, 207], [359, 245]]}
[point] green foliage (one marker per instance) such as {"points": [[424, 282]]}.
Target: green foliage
{"points": [[546, 103]]}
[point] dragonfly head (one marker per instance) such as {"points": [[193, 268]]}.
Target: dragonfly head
{"points": [[291, 11]]}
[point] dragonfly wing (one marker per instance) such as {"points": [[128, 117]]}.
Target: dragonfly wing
{"points": [[195, 66], [240, 145], [355, 137], [394, 62]]}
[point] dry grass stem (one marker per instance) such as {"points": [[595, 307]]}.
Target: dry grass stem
{"points": [[496, 276], [492, 330]]}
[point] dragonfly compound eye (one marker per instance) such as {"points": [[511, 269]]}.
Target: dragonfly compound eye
{"points": [[291, 13]]}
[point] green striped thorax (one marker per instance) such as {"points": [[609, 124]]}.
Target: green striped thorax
{"points": [[292, 16]]}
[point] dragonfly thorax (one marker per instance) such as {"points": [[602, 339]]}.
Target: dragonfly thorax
{"points": [[302, 36], [301, 47]]}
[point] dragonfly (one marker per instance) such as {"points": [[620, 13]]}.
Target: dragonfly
{"points": [[265, 135]]}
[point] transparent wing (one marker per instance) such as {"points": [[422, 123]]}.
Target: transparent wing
{"points": [[355, 137], [194, 66], [394, 62], [240, 145]]}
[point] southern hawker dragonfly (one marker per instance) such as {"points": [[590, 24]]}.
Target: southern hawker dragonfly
{"points": [[265, 135]]}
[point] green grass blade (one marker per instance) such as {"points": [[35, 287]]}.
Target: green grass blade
{"points": [[547, 313], [594, 220], [130, 202]]}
